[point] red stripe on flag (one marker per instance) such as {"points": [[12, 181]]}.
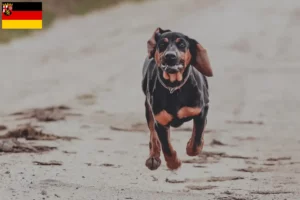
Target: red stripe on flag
{"points": [[19, 15]]}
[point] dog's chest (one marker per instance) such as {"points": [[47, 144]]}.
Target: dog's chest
{"points": [[173, 103]]}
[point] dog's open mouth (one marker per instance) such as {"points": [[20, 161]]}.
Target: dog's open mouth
{"points": [[172, 73]]}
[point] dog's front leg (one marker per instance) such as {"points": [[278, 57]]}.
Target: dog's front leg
{"points": [[153, 162], [170, 154], [196, 142]]}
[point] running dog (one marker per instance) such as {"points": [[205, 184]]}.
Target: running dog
{"points": [[176, 90]]}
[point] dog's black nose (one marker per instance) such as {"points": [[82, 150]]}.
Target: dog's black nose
{"points": [[170, 59], [170, 56]]}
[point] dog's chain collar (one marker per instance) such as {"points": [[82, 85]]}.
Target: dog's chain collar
{"points": [[173, 89]]}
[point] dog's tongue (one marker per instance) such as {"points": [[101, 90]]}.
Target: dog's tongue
{"points": [[179, 76], [172, 77], [166, 75]]}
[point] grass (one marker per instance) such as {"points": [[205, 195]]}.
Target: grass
{"points": [[54, 9]]}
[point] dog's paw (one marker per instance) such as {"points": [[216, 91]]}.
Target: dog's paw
{"points": [[173, 162], [190, 151], [153, 163], [173, 165]]}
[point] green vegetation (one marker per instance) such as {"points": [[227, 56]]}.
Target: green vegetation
{"points": [[53, 9]]}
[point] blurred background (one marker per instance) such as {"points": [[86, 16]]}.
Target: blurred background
{"points": [[89, 56]]}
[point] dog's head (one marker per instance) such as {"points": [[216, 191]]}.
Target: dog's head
{"points": [[174, 51]]}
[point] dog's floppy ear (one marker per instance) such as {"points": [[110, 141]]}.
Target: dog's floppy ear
{"points": [[151, 44], [200, 58]]}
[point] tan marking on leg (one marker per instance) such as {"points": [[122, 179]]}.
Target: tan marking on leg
{"points": [[190, 145], [163, 118], [188, 112], [173, 162], [190, 150], [155, 143], [153, 162]]}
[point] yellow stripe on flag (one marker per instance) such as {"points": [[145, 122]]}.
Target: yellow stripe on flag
{"points": [[22, 24]]}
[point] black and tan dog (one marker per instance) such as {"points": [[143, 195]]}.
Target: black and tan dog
{"points": [[176, 91]]}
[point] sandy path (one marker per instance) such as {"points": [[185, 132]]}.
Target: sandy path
{"points": [[253, 49]]}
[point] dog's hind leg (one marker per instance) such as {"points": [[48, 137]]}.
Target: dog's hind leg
{"points": [[153, 162], [196, 142]]}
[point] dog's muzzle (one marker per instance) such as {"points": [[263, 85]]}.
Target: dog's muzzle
{"points": [[171, 63], [172, 69]]}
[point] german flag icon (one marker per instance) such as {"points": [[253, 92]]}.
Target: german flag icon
{"points": [[22, 15]]}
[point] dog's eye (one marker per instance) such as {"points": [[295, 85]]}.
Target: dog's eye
{"points": [[181, 44], [162, 45]]}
